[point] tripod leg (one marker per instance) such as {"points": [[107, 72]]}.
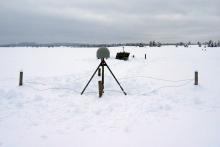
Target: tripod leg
{"points": [[116, 80], [90, 79]]}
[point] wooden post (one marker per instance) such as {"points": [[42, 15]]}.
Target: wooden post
{"points": [[21, 78], [145, 56], [100, 88], [196, 78], [99, 72]]}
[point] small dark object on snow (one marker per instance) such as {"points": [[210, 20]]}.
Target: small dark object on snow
{"points": [[196, 78], [21, 78], [141, 45], [122, 55]]}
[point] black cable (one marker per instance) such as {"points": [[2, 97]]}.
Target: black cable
{"points": [[39, 83], [168, 86], [52, 88], [159, 79], [8, 79], [150, 77]]}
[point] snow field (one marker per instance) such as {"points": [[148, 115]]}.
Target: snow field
{"points": [[162, 108]]}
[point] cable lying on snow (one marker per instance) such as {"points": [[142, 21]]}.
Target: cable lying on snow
{"points": [[146, 93]]}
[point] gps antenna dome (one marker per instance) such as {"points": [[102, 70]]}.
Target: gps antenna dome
{"points": [[102, 53]]}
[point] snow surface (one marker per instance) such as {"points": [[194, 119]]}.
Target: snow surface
{"points": [[162, 109]]}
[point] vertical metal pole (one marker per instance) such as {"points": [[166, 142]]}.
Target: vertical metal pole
{"points": [[103, 72], [21, 78], [103, 76], [196, 78]]}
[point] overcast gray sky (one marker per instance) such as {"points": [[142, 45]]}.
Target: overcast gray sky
{"points": [[108, 21]]}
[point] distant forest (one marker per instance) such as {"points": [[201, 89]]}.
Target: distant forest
{"points": [[151, 44]]}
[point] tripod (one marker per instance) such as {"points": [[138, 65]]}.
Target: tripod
{"points": [[103, 64]]}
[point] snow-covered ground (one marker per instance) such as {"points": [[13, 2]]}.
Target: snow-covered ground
{"points": [[163, 108]]}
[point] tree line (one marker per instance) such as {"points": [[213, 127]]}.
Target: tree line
{"points": [[154, 43]]}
